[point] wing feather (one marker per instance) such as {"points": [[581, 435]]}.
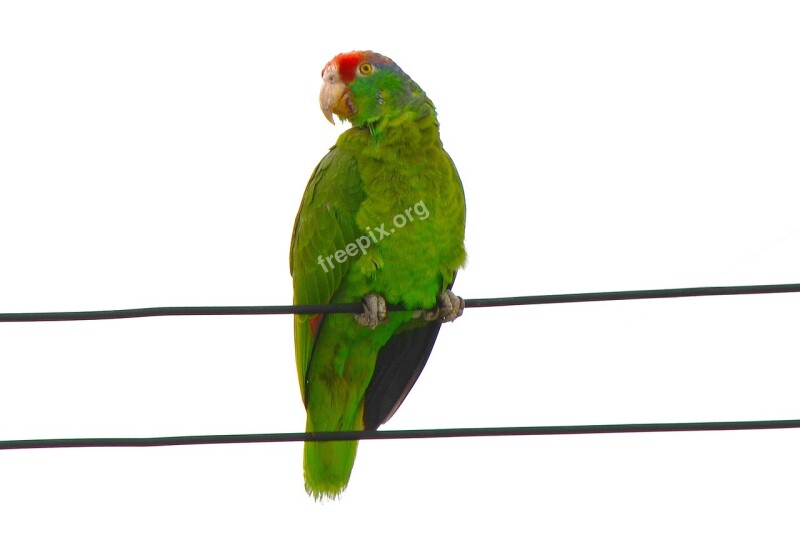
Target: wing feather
{"points": [[325, 224]]}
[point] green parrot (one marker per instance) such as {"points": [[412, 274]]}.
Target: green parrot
{"points": [[381, 221]]}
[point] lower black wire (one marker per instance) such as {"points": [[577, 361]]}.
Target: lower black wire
{"points": [[402, 434]]}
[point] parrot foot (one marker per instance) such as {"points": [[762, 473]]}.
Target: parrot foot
{"points": [[374, 311], [450, 307]]}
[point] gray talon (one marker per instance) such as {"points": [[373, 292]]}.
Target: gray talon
{"points": [[374, 311], [449, 309]]}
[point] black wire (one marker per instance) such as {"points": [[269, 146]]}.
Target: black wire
{"points": [[358, 308], [410, 434], [647, 294], [402, 434]]}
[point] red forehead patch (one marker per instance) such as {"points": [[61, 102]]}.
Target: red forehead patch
{"points": [[347, 64]]}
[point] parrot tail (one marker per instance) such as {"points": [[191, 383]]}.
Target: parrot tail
{"points": [[327, 466]]}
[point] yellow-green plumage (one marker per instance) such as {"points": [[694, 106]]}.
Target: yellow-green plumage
{"points": [[390, 163]]}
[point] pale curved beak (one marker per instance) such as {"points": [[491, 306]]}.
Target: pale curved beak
{"points": [[333, 96]]}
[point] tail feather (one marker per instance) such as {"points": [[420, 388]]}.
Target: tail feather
{"points": [[327, 467]]}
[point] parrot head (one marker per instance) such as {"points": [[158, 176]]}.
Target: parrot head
{"points": [[364, 87]]}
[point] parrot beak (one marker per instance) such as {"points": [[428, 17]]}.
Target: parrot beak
{"points": [[333, 96]]}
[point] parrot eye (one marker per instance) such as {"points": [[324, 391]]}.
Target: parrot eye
{"points": [[365, 68]]}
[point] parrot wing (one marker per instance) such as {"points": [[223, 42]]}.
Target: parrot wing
{"points": [[324, 225], [397, 368]]}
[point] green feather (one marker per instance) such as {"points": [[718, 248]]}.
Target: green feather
{"points": [[390, 164]]}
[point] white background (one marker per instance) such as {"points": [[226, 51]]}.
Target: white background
{"points": [[154, 154]]}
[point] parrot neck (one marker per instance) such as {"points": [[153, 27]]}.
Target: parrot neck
{"points": [[415, 125]]}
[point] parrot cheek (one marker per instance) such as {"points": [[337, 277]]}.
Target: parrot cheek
{"points": [[344, 107]]}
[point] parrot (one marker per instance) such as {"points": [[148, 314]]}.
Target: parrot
{"points": [[381, 222]]}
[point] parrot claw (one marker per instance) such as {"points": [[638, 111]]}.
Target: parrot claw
{"points": [[374, 311], [450, 307]]}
